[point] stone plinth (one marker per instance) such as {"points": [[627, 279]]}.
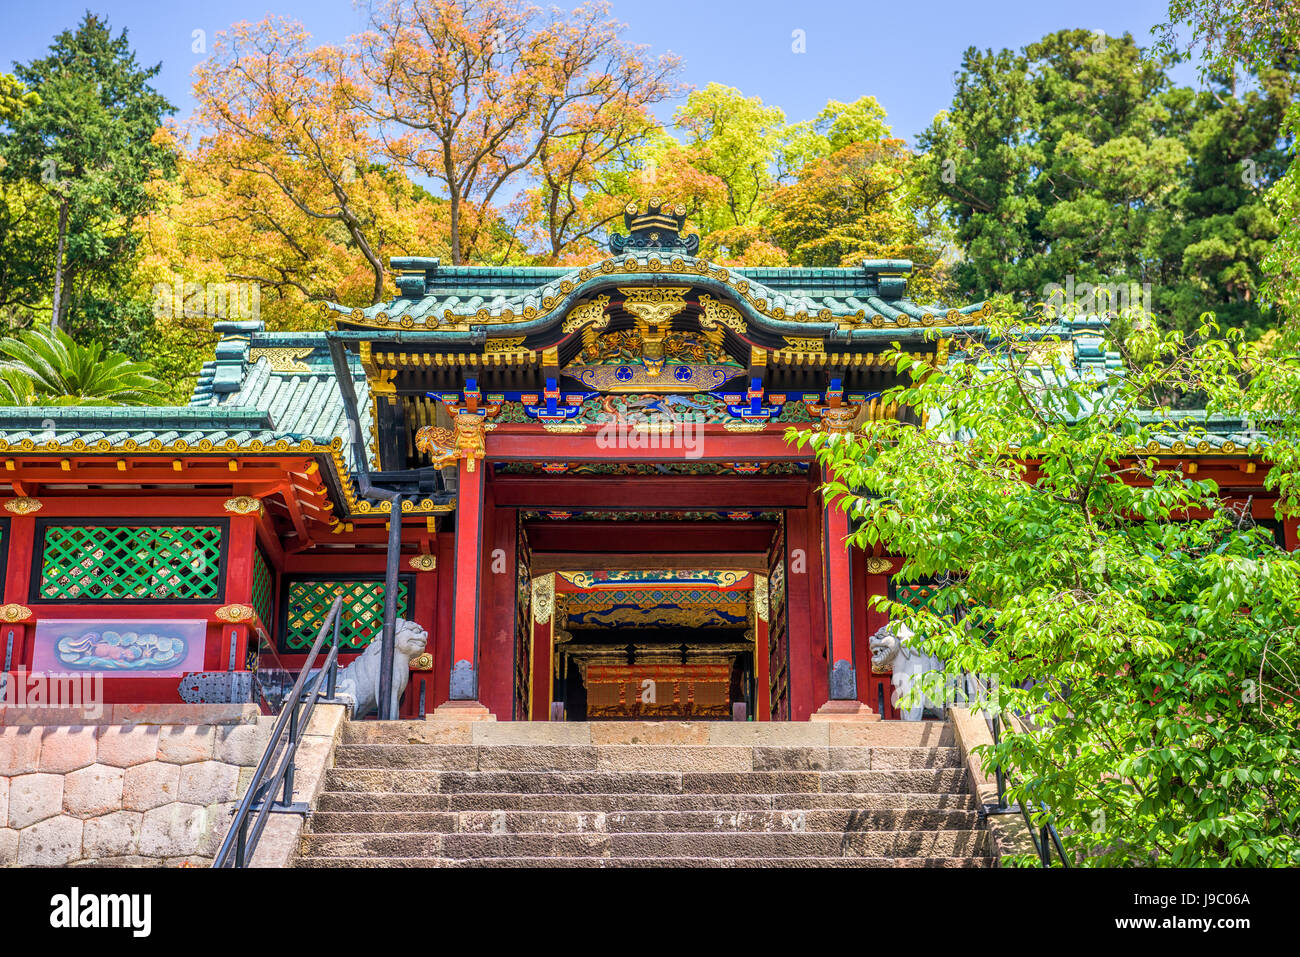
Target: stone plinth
{"points": [[844, 711], [461, 711]]}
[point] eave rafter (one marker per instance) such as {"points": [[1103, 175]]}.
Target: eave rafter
{"points": [[320, 477]]}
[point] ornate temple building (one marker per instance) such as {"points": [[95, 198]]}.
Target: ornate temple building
{"points": [[577, 480]]}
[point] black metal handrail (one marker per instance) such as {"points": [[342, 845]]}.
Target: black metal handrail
{"points": [[254, 810], [1045, 836]]}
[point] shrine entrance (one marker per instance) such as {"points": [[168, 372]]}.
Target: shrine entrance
{"points": [[669, 643], [656, 612], [598, 579]]}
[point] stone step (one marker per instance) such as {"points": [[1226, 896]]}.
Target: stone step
{"points": [[645, 794], [578, 822], [952, 843], [435, 757], [367, 801], [674, 862], [811, 734], [948, 780]]}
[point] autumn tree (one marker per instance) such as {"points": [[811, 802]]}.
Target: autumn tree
{"points": [[474, 94], [837, 126], [287, 156], [578, 193], [853, 191]]}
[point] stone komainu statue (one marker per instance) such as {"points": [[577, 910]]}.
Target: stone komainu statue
{"points": [[890, 652], [358, 683]]}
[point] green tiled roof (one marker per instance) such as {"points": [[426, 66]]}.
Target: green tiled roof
{"points": [[1175, 432], [68, 425], [289, 377], [799, 302]]}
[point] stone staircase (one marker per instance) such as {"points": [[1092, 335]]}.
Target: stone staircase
{"points": [[639, 794]]}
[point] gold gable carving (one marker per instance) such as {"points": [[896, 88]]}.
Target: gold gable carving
{"points": [[589, 312], [715, 312], [654, 305], [283, 360]]}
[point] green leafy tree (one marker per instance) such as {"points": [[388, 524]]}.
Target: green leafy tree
{"points": [[732, 138], [1078, 157], [1255, 36], [1263, 37], [24, 216], [46, 367], [837, 126], [861, 202], [88, 144], [13, 98], [1142, 629]]}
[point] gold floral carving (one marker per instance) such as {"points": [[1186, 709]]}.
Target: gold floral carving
{"points": [[423, 563], [235, 613], [655, 305], [804, 345], [422, 662], [23, 505], [283, 360], [879, 566], [716, 312], [836, 419], [543, 598], [243, 505], [14, 612], [761, 604], [511, 344]]}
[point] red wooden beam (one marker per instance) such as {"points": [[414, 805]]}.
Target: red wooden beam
{"points": [[614, 538], [648, 492], [544, 562], [86, 504], [710, 443]]}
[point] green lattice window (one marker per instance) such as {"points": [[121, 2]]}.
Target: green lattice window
{"points": [[308, 602], [131, 563], [263, 588], [918, 595]]}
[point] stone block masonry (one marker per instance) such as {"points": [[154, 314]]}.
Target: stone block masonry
{"points": [[146, 786]]}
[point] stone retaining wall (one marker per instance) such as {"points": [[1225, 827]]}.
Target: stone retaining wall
{"points": [[1008, 831], [148, 785]]}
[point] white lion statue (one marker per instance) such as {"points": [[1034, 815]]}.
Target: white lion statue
{"points": [[358, 683], [890, 652]]}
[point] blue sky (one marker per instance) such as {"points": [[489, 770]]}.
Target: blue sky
{"points": [[904, 53]]}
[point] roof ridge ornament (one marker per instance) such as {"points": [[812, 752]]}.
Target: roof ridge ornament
{"points": [[659, 227]]}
